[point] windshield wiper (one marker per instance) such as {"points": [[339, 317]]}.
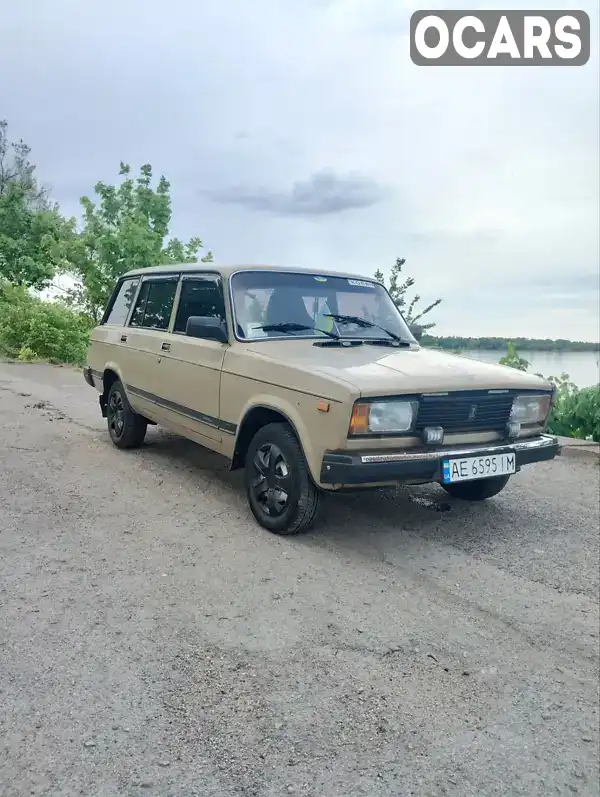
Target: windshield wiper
{"points": [[396, 342], [362, 322], [291, 326]]}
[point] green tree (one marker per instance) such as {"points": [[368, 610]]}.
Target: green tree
{"points": [[398, 286], [16, 170], [31, 241], [31, 231], [126, 228]]}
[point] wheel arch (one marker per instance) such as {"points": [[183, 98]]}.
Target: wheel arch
{"points": [[110, 375], [254, 418]]}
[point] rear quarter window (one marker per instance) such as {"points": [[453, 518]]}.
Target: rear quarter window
{"points": [[122, 303]]}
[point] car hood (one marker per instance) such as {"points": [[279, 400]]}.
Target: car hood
{"points": [[375, 370]]}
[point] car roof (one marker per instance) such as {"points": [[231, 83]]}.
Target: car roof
{"points": [[228, 270]]}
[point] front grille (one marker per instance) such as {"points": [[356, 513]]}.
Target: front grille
{"points": [[465, 412]]}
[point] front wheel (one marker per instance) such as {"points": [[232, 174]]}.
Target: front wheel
{"points": [[281, 493], [126, 428], [477, 490]]}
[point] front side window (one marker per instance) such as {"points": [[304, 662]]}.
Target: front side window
{"points": [[154, 304], [200, 296], [122, 303], [275, 298]]}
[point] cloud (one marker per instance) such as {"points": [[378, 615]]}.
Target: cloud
{"points": [[450, 236], [324, 193], [578, 282]]}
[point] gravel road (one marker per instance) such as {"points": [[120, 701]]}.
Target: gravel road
{"points": [[155, 641]]}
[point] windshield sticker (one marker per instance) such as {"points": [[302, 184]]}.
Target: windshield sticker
{"points": [[360, 283], [321, 279], [323, 318]]}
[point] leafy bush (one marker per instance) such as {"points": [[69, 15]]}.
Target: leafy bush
{"points": [[576, 413], [512, 359], [26, 355], [31, 328]]}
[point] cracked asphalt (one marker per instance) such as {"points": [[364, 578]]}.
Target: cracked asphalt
{"points": [[155, 641]]}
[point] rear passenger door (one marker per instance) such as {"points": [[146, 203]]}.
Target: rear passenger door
{"points": [[190, 368], [143, 337], [107, 346]]}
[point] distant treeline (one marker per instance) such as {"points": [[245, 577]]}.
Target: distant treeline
{"points": [[500, 344]]}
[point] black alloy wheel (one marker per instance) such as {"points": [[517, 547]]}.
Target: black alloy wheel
{"points": [[116, 414], [271, 485], [126, 428], [281, 493]]}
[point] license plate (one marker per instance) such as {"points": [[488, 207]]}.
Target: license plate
{"points": [[462, 470]]}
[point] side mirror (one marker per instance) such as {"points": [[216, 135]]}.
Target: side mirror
{"points": [[206, 327], [416, 331]]}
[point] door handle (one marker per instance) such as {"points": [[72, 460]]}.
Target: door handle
{"points": [[123, 338], [166, 346]]}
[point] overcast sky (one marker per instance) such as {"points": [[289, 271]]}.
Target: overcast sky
{"points": [[299, 132]]}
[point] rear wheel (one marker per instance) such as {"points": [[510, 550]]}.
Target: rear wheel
{"points": [[281, 493], [126, 428], [477, 490]]}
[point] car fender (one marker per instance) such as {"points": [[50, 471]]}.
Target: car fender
{"points": [[112, 366], [292, 414]]}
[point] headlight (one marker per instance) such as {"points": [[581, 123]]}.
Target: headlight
{"points": [[383, 417], [530, 409]]}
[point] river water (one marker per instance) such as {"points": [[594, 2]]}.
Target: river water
{"points": [[583, 367]]}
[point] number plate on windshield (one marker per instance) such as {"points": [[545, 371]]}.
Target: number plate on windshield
{"points": [[462, 470]]}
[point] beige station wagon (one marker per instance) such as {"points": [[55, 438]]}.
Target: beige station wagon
{"points": [[311, 381]]}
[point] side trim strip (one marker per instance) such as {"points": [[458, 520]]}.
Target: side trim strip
{"points": [[208, 420]]}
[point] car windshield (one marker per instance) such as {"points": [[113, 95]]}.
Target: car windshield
{"points": [[299, 305]]}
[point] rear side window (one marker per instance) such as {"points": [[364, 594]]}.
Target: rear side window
{"points": [[154, 305], [202, 296], [122, 303]]}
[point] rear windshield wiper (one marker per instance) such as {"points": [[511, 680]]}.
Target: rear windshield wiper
{"points": [[362, 322], [291, 326]]}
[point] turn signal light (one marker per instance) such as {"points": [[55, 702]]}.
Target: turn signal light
{"points": [[359, 422]]}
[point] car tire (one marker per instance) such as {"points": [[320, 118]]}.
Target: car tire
{"points": [[276, 467], [126, 428], [477, 490]]}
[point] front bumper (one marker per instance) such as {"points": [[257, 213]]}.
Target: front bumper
{"points": [[378, 467]]}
